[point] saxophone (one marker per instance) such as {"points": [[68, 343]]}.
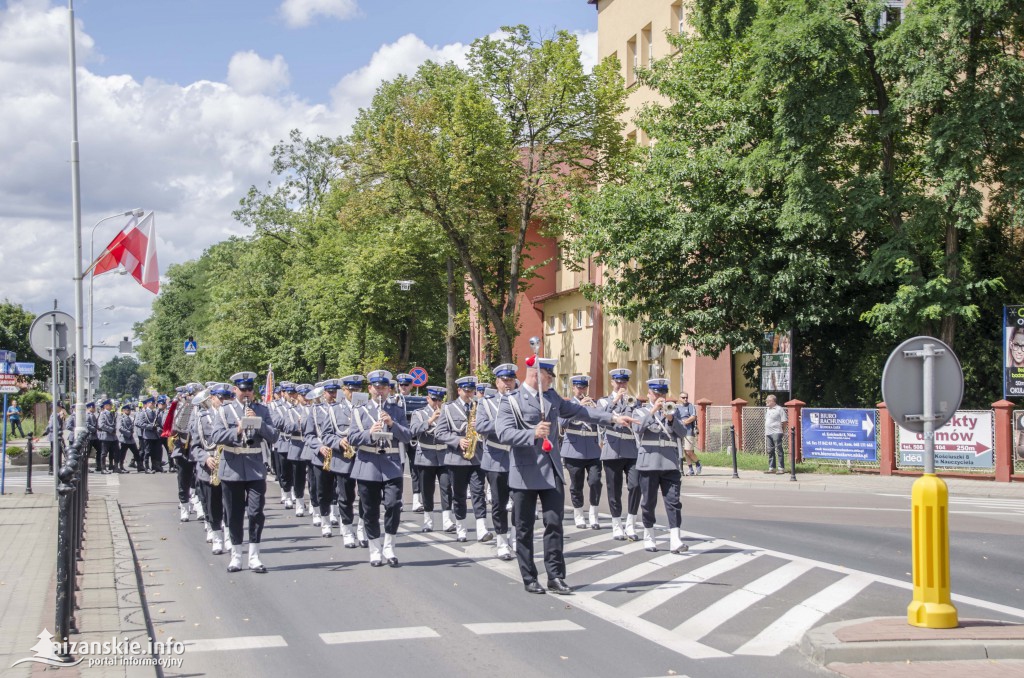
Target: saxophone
{"points": [[214, 475], [471, 435]]}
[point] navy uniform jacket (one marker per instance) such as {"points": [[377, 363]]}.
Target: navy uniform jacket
{"points": [[619, 442], [106, 426], [495, 453], [430, 451], [245, 461], [277, 419], [201, 427], [531, 468], [312, 429], [452, 426], [580, 438], [660, 441], [148, 423], [377, 461], [125, 429], [341, 414], [291, 430]]}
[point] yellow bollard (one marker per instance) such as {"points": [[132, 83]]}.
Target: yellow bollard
{"points": [[931, 607]]}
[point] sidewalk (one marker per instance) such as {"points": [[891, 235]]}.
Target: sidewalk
{"points": [[110, 598], [719, 476]]}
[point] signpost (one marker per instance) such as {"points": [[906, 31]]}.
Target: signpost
{"points": [[839, 434], [8, 384], [922, 385], [191, 347], [48, 336]]}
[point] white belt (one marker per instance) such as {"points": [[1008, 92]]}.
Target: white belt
{"points": [[243, 450], [294, 437], [617, 434], [377, 450], [658, 443], [436, 448], [498, 446], [586, 434]]}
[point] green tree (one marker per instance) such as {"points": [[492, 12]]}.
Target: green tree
{"points": [[15, 322], [122, 376]]}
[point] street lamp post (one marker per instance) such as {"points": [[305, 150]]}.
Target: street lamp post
{"points": [[137, 212]]}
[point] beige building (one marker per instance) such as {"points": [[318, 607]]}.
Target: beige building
{"points": [[575, 330]]}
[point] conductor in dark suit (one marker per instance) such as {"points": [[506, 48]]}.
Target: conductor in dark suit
{"points": [[527, 421]]}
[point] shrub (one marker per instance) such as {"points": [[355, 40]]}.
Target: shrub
{"points": [[14, 451]]}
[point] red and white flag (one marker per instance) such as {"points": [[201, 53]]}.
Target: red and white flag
{"points": [[269, 386], [135, 249]]}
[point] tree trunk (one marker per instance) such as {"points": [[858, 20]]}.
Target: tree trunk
{"points": [[449, 340]]}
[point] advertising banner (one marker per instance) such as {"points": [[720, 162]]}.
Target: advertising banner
{"points": [[1013, 351], [839, 434], [964, 442]]}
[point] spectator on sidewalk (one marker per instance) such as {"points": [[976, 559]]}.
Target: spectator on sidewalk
{"points": [[14, 417], [687, 414], [774, 426]]}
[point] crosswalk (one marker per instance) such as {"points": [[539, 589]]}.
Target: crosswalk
{"points": [[767, 600]]}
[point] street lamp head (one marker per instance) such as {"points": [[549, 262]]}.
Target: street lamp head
{"points": [[137, 212], [405, 285]]}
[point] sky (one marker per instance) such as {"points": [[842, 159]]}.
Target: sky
{"points": [[179, 105]]}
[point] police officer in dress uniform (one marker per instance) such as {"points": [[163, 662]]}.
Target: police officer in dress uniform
{"points": [[203, 448], [276, 405], [311, 438], [242, 473], [345, 410], [328, 443], [147, 423], [618, 452], [378, 428], [285, 476], [526, 419], [409, 451], [581, 454], [495, 459], [126, 440], [429, 465], [660, 446], [293, 428], [106, 432], [466, 473]]}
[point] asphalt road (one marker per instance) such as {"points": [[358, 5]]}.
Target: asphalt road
{"points": [[764, 566]]}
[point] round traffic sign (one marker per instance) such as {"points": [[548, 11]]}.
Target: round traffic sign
{"points": [[903, 384], [419, 376], [41, 334]]}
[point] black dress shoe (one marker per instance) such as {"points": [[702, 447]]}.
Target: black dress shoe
{"points": [[621, 537], [234, 568], [364, 544], [461, 539], [426, 529], [392, 562], [262, 569], [450, 528], [633, 537], [533, 587], [559, 586], [488, 536], [376, 563], [507, 556]]}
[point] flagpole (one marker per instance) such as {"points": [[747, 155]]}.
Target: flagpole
{"points": [[76, 218]]}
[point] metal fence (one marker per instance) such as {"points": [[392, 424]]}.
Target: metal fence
{"points": [[719, 419], [1018, 442]]}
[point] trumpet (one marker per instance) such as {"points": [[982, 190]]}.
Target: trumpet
{"points": [[669, 408], [630, 401], [588, 402]]}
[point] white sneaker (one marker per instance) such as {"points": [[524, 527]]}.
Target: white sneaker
{"points": [[460, 531], [348, 535], [577, 515], [325, 531], [631, 534], [483, 535], [504, 551], [594, 524], [254, 559], [288, 503], [417, 502], [300, 508], [183, 512], [236, 559], [389, 550], [676, 544], [375, 555], [446, 521], [428, 523], [315, 512], [649, 543], [617, 533], [218, 544]]}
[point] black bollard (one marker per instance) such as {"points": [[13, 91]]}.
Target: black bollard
{"points": [[735, 469], [28, 477], [792, 453], [65, 584]]}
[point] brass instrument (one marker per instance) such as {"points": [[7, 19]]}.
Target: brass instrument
{"points": [[669, 408], [472, 437], [347, 451], [327, 459], [214, 474], [588, 402], [630, 401]]}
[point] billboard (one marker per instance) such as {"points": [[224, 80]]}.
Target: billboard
{"points": [[839, 434], [1013, 351], [964, 442], [776, 362]]}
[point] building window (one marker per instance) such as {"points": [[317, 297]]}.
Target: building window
{"points": [[551, 324], [562, 324], [647, 45], [679, 18], [579, 318], [590, 316], [655, 351], [891, 14], [632, 61]]}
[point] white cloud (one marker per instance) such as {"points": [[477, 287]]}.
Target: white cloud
{"points": [[300, 13], [588, 49], [249, 73]]}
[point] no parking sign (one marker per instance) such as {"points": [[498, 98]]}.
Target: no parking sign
{"points": [[419, 376]]}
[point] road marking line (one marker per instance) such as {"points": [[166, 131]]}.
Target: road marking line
{"points": [[646, 602], [577, 566], [834, 508], [371, 635], [238, 643], [716, 614], [580, 544], [791, 627], [644, 569], [524, 627], [645, 629]]}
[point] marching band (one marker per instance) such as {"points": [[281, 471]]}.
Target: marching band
{"points": [[499, 450]]}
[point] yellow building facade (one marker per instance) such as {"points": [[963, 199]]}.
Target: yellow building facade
{"points": [[575, 329]]}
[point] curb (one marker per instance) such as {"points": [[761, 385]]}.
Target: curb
{"points": [[822, 647]]}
